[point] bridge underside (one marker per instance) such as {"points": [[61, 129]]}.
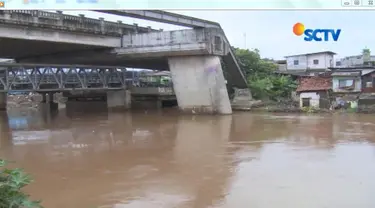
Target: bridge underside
{"points": [[26, 49], [45, 52]]}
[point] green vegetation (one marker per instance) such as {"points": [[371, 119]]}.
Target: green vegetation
{"points": [[11, 183], [264, 83], [310, 109]]}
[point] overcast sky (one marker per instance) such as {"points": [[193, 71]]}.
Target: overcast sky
{"points": [[271, 31]]}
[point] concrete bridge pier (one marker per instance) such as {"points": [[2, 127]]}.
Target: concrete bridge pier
{"points": [[3, 101], [199, 84], [47, 103], [119, 100]]}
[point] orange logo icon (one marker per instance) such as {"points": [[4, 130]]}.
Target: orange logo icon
{"points": [[2, 4], [298, 29]]}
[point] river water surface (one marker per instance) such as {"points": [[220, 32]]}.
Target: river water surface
{"points": [[160, 159]]}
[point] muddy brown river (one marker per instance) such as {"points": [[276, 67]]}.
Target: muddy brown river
{"points": [[161, 159]]}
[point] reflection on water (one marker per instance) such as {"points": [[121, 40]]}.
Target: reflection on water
{"points": [[164, 160]]}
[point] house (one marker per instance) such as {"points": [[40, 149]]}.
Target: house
{"points": [[354, 85], [314, 91], [281, 65], [310, 61], [368, 81], [347, 81], [367, 97]]}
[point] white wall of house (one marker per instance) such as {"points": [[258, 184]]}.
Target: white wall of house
{"points": [[310, 61], [314, 98]]}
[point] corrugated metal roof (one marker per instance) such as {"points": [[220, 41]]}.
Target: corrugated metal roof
{"points": [[305, 54], [367, 71], [346, 73]]}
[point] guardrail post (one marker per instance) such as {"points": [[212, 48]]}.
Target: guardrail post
{"points": [[35, 17], [119, 25], [61, 18], [102, 24]]}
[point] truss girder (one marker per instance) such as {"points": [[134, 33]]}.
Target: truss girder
{"points": [[14, 78]]}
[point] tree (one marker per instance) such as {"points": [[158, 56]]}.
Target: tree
{"points": [[263, 80], [11, 183]]}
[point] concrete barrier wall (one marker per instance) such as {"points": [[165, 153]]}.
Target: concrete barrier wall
{"points": [[209, 41]]}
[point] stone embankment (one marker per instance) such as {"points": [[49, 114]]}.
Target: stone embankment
{"points": [[283, 107]]}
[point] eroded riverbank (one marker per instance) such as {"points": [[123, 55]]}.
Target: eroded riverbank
{"points": [[162, 159]]}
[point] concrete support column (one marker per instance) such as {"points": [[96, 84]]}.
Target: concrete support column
{"points": [[47, 103], [199, 84], [44, 98], [3, 101], [5, 133], [50, 97], [120, 99]]}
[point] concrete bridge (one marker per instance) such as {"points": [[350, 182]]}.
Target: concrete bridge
{"points": [[193, 55]]}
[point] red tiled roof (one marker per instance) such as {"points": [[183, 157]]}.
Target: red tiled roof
{"points": [[314, 84]]}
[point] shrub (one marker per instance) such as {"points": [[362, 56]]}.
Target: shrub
{"points": [[11, 183], [310, 109]]}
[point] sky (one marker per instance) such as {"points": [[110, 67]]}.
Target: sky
{"points": [[271, 31]]}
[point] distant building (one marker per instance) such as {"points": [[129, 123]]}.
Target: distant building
{"points": [[310, 61], [355, 61]]}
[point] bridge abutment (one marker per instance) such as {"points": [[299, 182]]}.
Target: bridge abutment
{"points": [[199, 84]]}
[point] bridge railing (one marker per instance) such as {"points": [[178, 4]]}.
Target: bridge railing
{"points": [[14, 77], [69, 22]]}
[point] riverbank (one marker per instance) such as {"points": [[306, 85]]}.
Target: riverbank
{"points": [[29, 101], [293, 108], [32, 102]]}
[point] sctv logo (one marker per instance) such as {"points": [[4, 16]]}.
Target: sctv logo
{"points": [[316, 34]]}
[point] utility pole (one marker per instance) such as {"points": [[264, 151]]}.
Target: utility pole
{"points": [[244, 37]]}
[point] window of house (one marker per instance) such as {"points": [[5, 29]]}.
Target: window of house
{"points": [[296, 62], [338, 63], [315, 61], [345, 83]]}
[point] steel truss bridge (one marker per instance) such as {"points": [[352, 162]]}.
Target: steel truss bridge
{"points": [[59, 78]]}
